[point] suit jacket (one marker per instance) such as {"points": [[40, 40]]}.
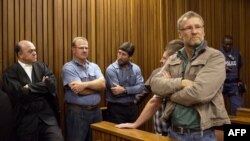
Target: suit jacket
{"points": [[6, 117], [33, 103]]}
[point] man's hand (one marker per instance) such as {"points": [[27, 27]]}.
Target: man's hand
{"points": [[186, 83], [47, 81], [126, 125], [45, 78], [78, 86], [117, 89], [26, 86], [165, 74]]}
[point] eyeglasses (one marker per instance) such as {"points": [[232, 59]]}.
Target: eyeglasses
{"points": [[82, 48], [191, 28]]}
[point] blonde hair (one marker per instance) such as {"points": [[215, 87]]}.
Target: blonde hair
{"points": [[76, 39]]}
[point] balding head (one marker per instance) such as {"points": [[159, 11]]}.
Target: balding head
{"points": [[26, 52]]}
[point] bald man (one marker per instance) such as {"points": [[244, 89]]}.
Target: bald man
{"points": [[31, 86]]}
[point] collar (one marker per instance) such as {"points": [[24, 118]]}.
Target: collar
{"points": [[24, 65], [196, 51], [86, 65]]}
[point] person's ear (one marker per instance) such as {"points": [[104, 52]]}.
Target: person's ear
{"points": [[180, 35]]}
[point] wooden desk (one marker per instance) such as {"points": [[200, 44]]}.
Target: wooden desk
{"points": [[106, 131], [240, 120]]}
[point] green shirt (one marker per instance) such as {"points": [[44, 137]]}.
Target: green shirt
{"points": [[183, 116]]}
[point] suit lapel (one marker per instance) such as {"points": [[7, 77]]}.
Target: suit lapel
{"points": [[36, 73], [24, 77]]}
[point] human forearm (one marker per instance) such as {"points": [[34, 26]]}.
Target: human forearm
{"points": [[96, 85], [206, 85], [135, 89], [87, 92], [165, 87], [149, 110]]}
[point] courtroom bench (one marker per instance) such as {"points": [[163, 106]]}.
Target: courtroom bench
{"points": [[244, 112], [239, 120], [106, 131], [242, 116]]}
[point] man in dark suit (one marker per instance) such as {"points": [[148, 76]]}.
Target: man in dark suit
{"points": [[6, 117], [31, 87]]}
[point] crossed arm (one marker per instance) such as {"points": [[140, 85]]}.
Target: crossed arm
{"points": [[151, 107], [88, 87]]}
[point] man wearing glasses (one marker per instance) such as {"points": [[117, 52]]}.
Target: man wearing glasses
{"points": [[83, 82], [194, 89]]}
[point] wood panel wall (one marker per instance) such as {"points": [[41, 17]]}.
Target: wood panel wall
{"points": [[149, 24]]}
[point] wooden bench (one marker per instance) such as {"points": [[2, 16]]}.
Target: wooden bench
{"points": [[106, 131], [244, 112], [242, 116], [240, 120]]}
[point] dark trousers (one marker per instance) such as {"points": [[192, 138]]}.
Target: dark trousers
{"points": [[122, 113], [6, 117], [44, 132], [78, 123]]}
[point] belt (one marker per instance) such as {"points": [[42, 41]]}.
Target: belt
{"points": [[231, 80], [182, 130], [122, 104], [83, 107]]}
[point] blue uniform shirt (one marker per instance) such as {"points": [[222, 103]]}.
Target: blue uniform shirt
{"points": [[73, 71], [233, 63], [130, 78]]}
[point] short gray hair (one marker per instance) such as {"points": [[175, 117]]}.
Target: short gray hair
{"points": [[188, 15]]}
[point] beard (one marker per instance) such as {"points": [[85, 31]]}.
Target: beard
{"points": [[122, 63], [194, 42]]}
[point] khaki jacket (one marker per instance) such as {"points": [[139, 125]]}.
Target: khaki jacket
{"points": [[207, 71]]}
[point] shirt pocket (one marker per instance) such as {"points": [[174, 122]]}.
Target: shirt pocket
{"points": [[131, 79], [83, 77], [92, 76], [196, 66], [175, 69], [89, 77]]}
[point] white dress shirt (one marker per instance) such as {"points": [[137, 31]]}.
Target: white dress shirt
{"points": [[27, 68]]}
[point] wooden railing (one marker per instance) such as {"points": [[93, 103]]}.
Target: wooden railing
{"points": [[242, 116], [106, 131], [244, 112]]}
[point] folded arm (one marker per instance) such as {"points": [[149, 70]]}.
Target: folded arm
{"points": [[161, 84], [88, 87], [206, 85]]}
